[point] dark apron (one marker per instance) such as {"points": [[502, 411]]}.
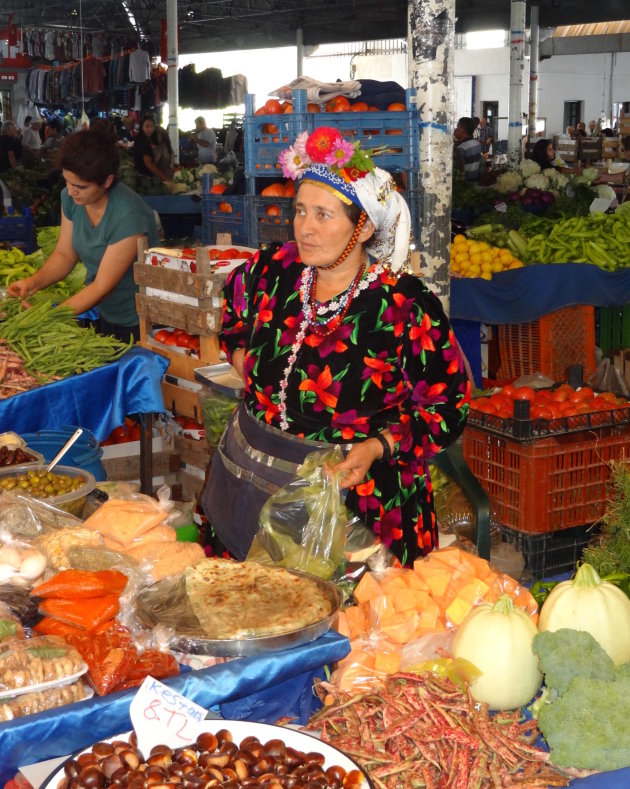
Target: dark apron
{"points": [[251, 462]]}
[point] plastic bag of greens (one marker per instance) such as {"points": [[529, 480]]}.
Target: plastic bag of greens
{"points": [[216, 409], [303, 525]]}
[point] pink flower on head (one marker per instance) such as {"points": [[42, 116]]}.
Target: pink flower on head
{"points": [[340, 153], [300, 146], [292, 165]]}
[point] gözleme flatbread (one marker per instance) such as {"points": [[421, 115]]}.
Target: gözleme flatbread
{"points": [[237, 600]]}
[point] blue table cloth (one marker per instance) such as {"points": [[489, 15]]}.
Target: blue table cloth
{"points": [[98, 400], [261, 688], [526, 294]]}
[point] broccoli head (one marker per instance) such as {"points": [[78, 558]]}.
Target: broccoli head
{"points": [[588, 727], [564, 654]]}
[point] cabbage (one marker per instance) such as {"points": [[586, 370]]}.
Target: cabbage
{"points": [[603, 190], [528, 167], [537, 181], [508, 182], [206, 169], [590, 174]]}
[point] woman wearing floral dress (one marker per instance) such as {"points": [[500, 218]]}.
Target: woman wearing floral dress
{"points": [[337, 344]]}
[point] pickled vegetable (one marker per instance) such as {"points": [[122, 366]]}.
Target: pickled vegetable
{"points": [[43, 484]]}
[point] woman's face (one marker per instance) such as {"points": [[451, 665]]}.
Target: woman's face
{"points": [[148, 127], [550, 152], [85, 192], [322, 227]]}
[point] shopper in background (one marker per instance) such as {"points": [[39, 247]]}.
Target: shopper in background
{"points": [[592, 127], [206, 141], [467, 150], [101, 223], [484, 135], [10, 147], [31, 141], [163, 154], [543, 153], [338, 344], [53, 139], [580, 129], [144, 151]]}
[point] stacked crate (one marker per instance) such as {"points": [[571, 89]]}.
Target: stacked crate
{"points": [[181, 289], [550, 487], [266, 136], [549, 345]]}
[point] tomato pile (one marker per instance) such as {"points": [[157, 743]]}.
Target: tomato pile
{"points": [[563, 401], [129, 431], [179, 338]]}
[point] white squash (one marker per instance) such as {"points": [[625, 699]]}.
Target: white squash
{"points": [[497, 639], [598, 607]]}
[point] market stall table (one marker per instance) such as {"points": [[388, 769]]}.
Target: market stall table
{"points": [[180, 214], [263, 688], [98, 400]]}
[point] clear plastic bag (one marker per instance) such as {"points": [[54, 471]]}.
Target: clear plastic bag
{"points": [[607, 378], [303, 525], [24, 516]]}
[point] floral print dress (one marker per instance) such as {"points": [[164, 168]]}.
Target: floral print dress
{"points": [[392, 363]]}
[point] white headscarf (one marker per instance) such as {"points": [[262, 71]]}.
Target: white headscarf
{"points": [[389, 213]]}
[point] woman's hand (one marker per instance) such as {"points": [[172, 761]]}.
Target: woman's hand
{"points": [[22, 288], [357, 462]]}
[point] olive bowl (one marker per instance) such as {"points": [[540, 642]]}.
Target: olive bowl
{"points": [[72, 502]]}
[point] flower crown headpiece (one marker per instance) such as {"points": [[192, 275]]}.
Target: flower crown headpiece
{"points": [[325, 146]]}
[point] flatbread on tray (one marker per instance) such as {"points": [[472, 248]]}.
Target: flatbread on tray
{"points": [[238, 600]]}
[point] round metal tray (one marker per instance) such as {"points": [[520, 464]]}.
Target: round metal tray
{"points": [[151, 610]]}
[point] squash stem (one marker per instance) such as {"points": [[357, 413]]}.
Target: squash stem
{"points": [[586, 576], [504, 605]]}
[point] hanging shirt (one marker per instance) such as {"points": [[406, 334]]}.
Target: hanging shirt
{"points": [[139, 66]]}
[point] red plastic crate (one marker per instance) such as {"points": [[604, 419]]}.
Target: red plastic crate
{"points": [[546, 484], [549, 345]]}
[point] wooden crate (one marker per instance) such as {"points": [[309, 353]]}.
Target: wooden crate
{"points": [[181, 400], [195, 453], [567, 150], [183, 365], [590, 149], [128, 467], [611, 147]]}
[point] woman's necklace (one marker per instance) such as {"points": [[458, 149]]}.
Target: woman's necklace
{"points": [[340, 305], [338, 308]]}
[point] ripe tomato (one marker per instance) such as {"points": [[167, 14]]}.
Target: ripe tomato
{"points": [[338, 104], [182, 340], [587, 392], [119, 435], [162, 335], [312, 107], [359, 106], [134, 433], [170, 339], [508, 390], [396, 106], [178, 332], [273, 106], [541, 412], [273, 210], [524, 393]]}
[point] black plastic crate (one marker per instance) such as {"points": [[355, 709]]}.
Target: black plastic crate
{"points": [[551, 553]]}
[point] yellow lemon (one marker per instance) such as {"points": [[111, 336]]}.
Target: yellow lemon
{"points": [[483, 245], [474, 271], [517, 264], [475, 258], [459, 240], [486, 257], [486, 275], [496, 267]]}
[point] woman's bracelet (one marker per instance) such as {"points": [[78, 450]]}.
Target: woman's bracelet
{"points": [[387, 450]]}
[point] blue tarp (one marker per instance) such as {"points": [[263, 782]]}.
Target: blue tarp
{"points": [[261, 688], [526, 294], [99, 400]]}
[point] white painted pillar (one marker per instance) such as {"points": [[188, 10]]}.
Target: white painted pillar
{"points": [[299, 43], [517, 64], [431, 45], [534, 52], [171, 76]]}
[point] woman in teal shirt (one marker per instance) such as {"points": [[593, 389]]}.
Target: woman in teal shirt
{"points": [[101, 222]]}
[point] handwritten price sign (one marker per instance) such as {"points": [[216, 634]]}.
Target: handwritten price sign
{"points": [[161, 716]]}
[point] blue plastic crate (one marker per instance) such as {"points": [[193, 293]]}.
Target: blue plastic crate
{"points": [[19, 230], [398, 131], [215, 220], [265, 227], [266, 136]]}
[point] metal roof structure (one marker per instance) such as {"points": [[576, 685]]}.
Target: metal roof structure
{"points": [[220, 25]]}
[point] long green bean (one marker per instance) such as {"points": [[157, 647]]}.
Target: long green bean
{"points": [[51, 342]]}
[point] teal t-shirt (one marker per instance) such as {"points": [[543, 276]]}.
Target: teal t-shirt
{"points": [[126, 215]]}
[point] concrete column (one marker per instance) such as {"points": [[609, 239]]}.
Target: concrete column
{"points": [[171, 76], [534, 53], [517, 61], [431, 45]]}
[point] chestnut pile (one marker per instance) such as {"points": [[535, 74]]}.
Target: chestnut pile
{"points": [[214, 760]]}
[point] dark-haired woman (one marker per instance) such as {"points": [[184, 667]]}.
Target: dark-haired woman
{"points": [[101, 222], [543, 154], [146, 150]]}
